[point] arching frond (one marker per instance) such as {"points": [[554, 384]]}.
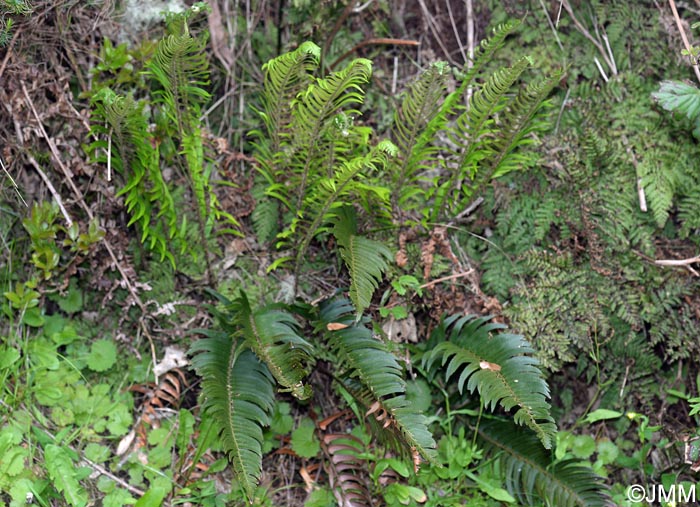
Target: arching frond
{"points": [[366, 362], [272, 334], [532, 477], [498, 366], [239, 397]]}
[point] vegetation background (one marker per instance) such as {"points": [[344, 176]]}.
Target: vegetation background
{"points": [[231, 282]]}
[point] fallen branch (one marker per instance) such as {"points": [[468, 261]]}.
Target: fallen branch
{"points": [[446, 278], [680, 262]]}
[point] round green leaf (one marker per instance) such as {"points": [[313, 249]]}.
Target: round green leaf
{"points": [[103, 355]]}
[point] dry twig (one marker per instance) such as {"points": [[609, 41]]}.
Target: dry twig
{"points": [[684, 37]]}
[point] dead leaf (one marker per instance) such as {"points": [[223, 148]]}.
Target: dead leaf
{"points": [[485, 365], [335, 326]]}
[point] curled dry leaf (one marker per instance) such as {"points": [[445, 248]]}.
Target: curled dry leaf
{"points": [[335, 326]]}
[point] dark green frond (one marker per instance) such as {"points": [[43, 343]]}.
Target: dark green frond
{"points": [[532, 477], [365, 360], [239, 397], [475, 135], [498, 366]]}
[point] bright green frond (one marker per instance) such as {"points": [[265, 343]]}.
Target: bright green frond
{"points": [[498, 366], [285, 77], [420, 105]]}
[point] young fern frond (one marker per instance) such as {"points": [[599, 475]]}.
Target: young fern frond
{"points": [[147, 197], [368, 367], [530, 475], [239, 397], [416, 150], [365, 259], [497, 366], [331, 192], [519, 121], [285, 77], [272, 334], [180, 67], [474, 135], [315, 106]]}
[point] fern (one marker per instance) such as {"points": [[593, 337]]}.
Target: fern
{"points": [[420, 106], [347, 469], [330, 192], [373, 374], [495, 365], [148, 199], [272, 335], [180, 71], [366, 259], [180, 67], [239, 397], [531, 476]]}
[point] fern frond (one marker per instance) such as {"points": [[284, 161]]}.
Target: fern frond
{"points": [[320, 102], [532, 477], [328, 193], [265, 214], [147, 197], [365, 259], [474, 134], [180, 67], [496, 365], [272, 334], [285, 77], [239, 397], [420, 105], [519, 123], [366, 360]]}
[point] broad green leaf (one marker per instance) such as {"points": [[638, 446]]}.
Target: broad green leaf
{"points": [[304, 441], [607, 451], [601, 414], [321, 498], [102, 356], [152, 498], [8, 356], [583, 446]]}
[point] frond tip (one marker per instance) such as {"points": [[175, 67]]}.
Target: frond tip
{"points": [[498, 367]]}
